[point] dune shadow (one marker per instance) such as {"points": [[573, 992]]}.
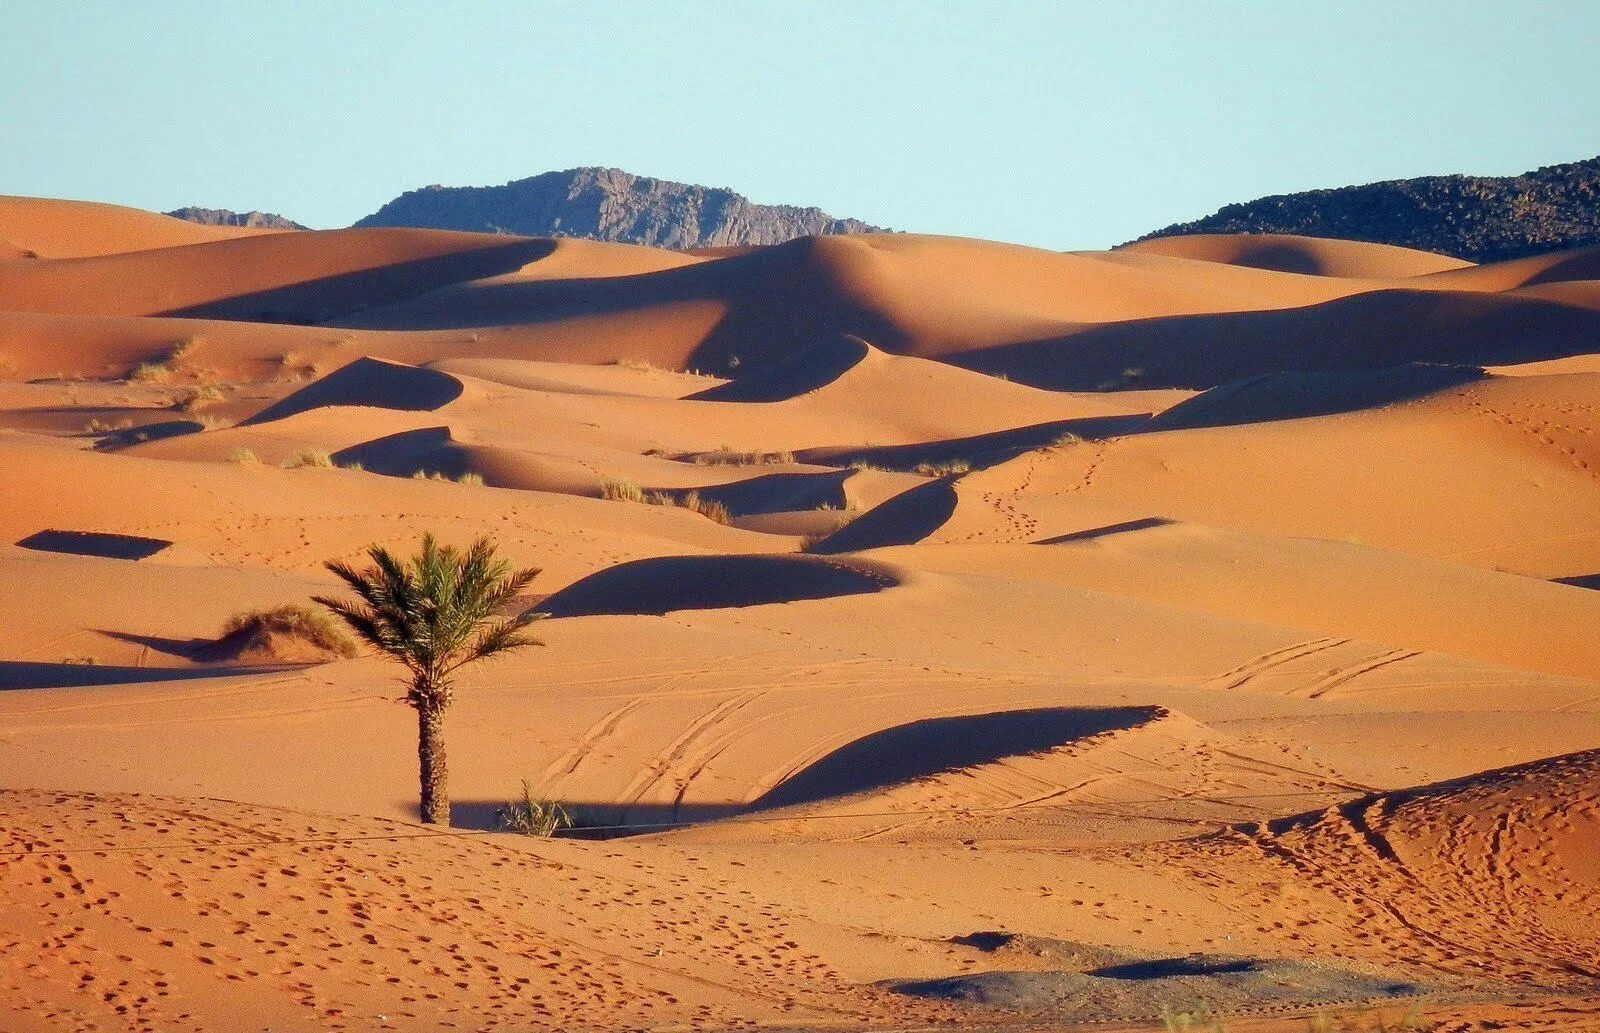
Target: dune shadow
{"points": [[1296, 394], [103, 544], [313, 301], [980, 450], [183, 648], [907, 518], [429, 449], [1581, 581], [920, 749], [368, 382], [811, 368], [1207, 350], [775, 492], [667, 583], [1142, 524], [28, 674], [593, 819]]}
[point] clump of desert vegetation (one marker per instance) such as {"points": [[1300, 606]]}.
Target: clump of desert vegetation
{"points": [[99, 426], [469, 478], [944, 469], [162, 369], [744, 458], [289, 632], [693, 501], [199, 397], [309, 458], [243, 456], [639, 365], [531, 815], [153, 372]]}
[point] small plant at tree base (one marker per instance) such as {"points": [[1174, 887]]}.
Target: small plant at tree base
{"points": [[533, 816], [434, 613]]}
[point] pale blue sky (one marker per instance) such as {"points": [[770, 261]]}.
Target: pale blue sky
{"points": [[1064, 125]]}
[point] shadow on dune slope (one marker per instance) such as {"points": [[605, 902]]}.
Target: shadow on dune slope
{"points": [[905, 519], [807, 370], [922, 748], [1295, 394], [1363, 332], [330, 297], [668, 583], [376, 383]]}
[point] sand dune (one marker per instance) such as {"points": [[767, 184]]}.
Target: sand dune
{"points": [[39, 227], [991, 703], [1287, 253]]}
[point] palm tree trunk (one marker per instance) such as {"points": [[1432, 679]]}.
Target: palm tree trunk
{"points": [[435, 773]]}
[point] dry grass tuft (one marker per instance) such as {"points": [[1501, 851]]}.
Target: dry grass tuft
{"points": [[621, 491], [309, 459], [199, 397], [297, 621], [243, 456], [745, 459], [944, 469]]}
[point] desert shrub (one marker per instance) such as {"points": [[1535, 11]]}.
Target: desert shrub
{"points": [[353, 467], [197, 397], [943, 469], [862, 464], [1066, 439], [309, 458], [621, 491], [744, 459], [640, 365], [243, 455], [529, 815], [150, 373], [296, 620], [467, 478], [709, 508], [99, 426]]}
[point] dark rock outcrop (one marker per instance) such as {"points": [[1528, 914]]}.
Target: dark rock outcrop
{"points": [[608, 204], [1479, 218], [224, 217]]}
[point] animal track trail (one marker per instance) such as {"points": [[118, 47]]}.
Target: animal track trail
{"points": [[1540, 433]]}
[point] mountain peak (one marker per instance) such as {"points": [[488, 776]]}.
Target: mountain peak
{"points": [[225, 217], [610, 204]]}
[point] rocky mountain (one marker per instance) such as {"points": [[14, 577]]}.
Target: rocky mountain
{"points": [[609, 204], [223, 217], [1479, 218]]}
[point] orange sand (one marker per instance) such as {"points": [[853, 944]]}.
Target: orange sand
{"points": [[1214, 625]]}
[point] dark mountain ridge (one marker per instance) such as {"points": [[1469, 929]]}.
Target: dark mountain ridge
{"points": [[1479, 218], [610, 205]]}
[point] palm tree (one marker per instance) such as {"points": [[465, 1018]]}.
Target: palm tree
{"points": [[434, 613]]}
